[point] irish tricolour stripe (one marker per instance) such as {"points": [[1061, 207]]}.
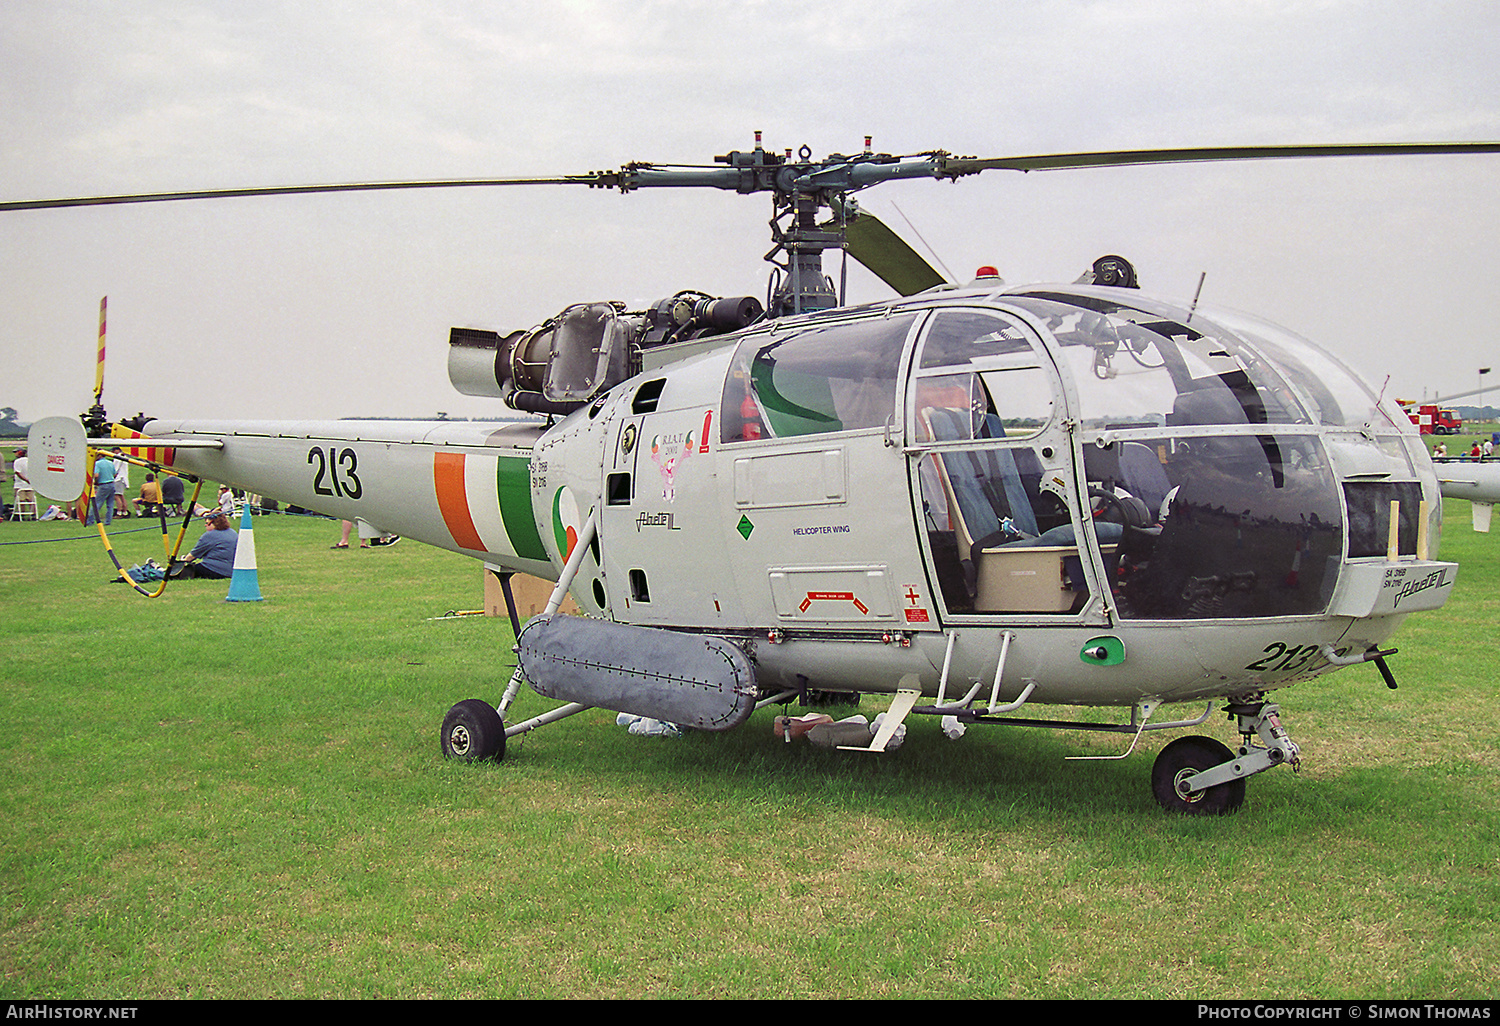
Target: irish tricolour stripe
{"points": [[486, 503]]}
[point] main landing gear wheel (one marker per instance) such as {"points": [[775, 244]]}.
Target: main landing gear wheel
{"points": [[1179, 761], [473, 731]]}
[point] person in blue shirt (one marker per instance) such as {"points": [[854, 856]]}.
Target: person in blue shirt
{"points": [[104, 491], [213, 556]]}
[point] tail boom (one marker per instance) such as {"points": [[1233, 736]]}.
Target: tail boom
{"points": [[459, 486]]}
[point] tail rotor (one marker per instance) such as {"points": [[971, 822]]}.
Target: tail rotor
{"points": [[96, 420]]}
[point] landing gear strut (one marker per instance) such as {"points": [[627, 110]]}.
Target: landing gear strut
{"points": [[1201, 777]]}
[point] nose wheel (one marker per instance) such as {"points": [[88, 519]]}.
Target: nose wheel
{"points": [[1184, 759], [1201, 777]]}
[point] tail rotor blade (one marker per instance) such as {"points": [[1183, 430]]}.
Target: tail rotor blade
{"points": [[99, 356]]}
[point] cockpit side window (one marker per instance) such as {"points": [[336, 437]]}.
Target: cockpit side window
{"points": [[836, 377], [960, 337], [1000, 535], [984, 362]]}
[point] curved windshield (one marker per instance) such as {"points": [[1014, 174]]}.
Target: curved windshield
{"points": [[1334, 394], [1143, 365], [1219, 525], [1207, 521]]}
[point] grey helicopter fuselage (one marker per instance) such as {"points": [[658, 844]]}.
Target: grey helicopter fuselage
{"points": [[1130, 499]]}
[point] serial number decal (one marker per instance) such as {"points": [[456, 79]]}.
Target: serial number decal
{"points": [[337, 472], [1281, 657], [1394, 579]]}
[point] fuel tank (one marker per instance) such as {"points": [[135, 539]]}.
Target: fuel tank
{"points": [[692, 680]]}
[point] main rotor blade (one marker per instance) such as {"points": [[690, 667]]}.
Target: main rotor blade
{"points": [[838, 174], [870, 241], [955, 167], [600, 179]]}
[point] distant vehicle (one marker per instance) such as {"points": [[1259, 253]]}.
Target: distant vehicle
{"points": [[1432, 419]]}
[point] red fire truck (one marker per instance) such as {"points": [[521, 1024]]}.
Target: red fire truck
{"points": [[1431, 419]]}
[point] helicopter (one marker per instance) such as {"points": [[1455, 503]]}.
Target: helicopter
{"points": [[973, 498]]}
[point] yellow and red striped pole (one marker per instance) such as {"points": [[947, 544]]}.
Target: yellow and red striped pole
{"points": [[99, 361]]}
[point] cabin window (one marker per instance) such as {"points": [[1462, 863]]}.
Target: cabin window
{"points": [[986, 364], [836, 377]]}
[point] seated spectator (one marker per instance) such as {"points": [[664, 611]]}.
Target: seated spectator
{"points": [[171, 493], [213, 556], [149, 501], [23, 491]]}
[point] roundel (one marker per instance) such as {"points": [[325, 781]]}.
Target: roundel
{"points": [[567, 522]]}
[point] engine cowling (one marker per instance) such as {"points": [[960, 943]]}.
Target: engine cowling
{"points": [[565, 362]]}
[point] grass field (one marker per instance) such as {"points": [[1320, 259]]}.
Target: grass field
{"points": [[246, 800]]}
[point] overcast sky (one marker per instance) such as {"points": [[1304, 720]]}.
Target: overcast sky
{"points": [[330, 306]]}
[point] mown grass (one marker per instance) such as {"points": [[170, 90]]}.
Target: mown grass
{"points": [[206, 799]]}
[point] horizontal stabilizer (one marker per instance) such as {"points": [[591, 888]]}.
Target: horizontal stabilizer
{"points": [[1476, 480], [59, 457], [59, 454]]}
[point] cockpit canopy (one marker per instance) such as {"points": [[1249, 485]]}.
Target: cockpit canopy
{"points": [[1136, 364], [1225, 467]]}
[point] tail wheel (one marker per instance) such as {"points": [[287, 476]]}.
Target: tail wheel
{"points": [[473, 731], [1182, 759]]}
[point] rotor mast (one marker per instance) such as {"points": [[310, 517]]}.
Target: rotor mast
{"points": [[801, 188]]}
